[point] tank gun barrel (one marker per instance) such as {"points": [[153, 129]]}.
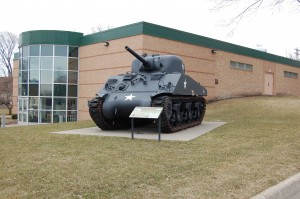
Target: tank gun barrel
{"points": [[141, 59]]}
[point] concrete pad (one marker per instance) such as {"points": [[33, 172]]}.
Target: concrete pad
{"points": [[149, 132]]}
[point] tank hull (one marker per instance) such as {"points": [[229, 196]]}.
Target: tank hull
{"points": [[179, 112]]}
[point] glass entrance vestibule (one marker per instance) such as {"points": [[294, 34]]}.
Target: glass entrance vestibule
{"points": [[48, 83]]}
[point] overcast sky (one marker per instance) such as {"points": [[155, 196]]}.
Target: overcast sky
{"points": [[277, 30]]}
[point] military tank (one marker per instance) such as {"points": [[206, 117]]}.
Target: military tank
{"points": [[154, 81]]}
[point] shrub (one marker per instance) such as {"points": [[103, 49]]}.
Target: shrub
{"points": [[14, 116]]}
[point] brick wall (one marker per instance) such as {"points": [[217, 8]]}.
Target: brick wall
{"points": [[15, 86]]}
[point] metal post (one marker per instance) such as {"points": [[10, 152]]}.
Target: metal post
{"points": [[3, 121], [132, 126], [159, 128]]}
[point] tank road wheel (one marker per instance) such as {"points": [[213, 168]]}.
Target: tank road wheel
{"points": [[95, 110], [180, 112]]}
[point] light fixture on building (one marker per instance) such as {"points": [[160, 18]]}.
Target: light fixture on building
{"points": [[213, 51], [216, 81], [106, 43]]}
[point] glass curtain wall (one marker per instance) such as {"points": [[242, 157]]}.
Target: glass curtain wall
{"points": [[48, 83]]}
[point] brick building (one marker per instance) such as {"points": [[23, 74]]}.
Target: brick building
{"points": [[56, 73]]}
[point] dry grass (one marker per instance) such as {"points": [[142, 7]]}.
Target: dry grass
{"points": [[257, 148], [5, 111]]}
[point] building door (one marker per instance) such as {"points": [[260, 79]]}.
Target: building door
{"points": [[269, 78], [23, 110]]}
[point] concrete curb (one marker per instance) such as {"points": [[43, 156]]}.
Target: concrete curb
{"points": [[287, 189]]}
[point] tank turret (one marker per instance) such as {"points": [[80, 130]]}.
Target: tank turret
{"points": [[154, 80], [165, 63]]}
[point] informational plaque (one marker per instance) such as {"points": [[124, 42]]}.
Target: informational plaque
{"points": [[146, 112]]}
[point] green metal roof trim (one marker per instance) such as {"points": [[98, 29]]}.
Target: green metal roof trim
{"points": [[176, 35], [16, 56], [50, 37], [115, 33], [181, 36]]}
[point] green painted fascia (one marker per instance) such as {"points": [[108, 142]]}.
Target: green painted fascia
{"points": [[176, 35], [111, 34], [16, 56], [50, 37]]}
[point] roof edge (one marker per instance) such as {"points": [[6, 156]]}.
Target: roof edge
{"points": [[111, 34], [50, 37], [185, 37]]}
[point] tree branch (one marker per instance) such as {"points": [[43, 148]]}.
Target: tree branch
{"points": [[8, 41]]}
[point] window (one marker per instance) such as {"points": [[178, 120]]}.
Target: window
{"points": [[291, 74], [33, 102], [24, 75], [47, 50], [46, 103], [34, 76], [73, 64], [46, 63], [72, 77], [34, 63], [34, 50], [241, 66], [46, 90], [59, 104], [48, 77], [60, 90], [60, 63], [60, 76], [24, 64], [72, 90], [61, 51], [25, 51], [33, 89], [73, 51]]}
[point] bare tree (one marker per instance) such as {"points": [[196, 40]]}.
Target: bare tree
{"points": [[8, 42], [6, 84], [248, 7], [295, 55], [100, 28]]}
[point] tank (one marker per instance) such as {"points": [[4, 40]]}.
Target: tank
{"points": [[154, 81]]}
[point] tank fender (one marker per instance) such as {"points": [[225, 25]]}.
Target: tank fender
{"points": [[120, 105], [187, 86]]}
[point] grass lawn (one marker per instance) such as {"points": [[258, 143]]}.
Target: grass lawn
{"points": [[257, 148], [5, 111]]}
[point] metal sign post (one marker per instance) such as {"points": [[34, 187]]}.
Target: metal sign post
{"points": [[3, 121], [146, 113]]}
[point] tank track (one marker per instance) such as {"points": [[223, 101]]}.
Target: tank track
{"points": [[180, 112], [95, 110]]}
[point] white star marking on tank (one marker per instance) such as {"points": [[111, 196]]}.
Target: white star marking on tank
{"points": [[184, 83], [129, 97]]}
